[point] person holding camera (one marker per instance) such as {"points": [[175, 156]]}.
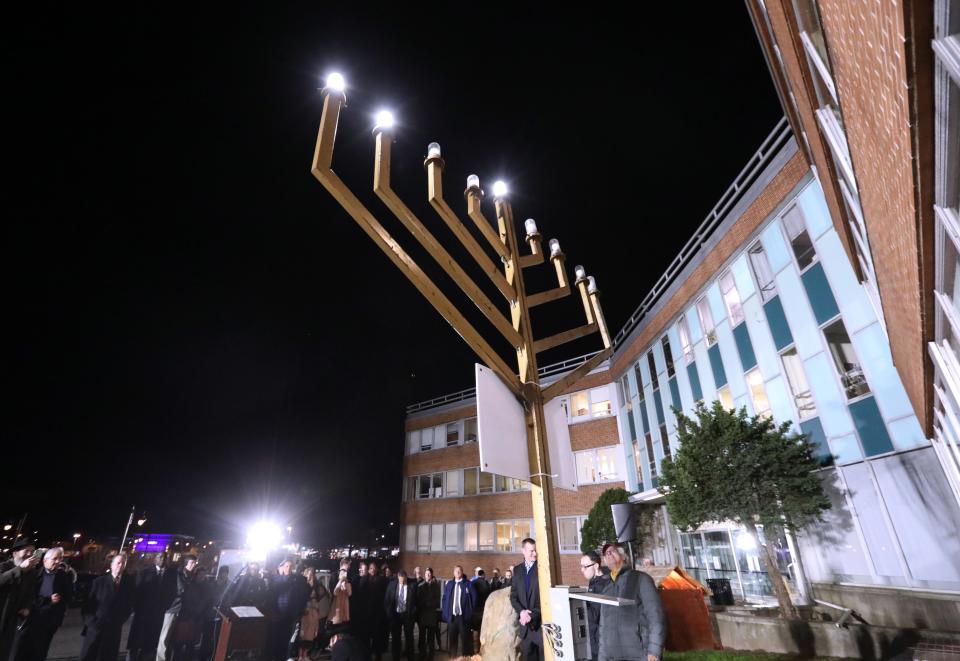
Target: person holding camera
{"points": [[52, 591], [15, 579]]}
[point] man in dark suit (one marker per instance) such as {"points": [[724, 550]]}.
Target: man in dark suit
{"points": [[525, 598], [456, 606], [400, 606], [155, 589], [51, 591], [105, 611], [374, 592]]}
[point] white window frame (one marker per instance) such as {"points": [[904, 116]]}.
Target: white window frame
{"points": [[766, 412], [706, 315], [591, 402], [729, 291], [594, 455], [565, 548], [683, 329]]}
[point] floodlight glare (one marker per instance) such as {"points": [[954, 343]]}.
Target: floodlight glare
{"points": [[433, 150], [384, 119], [264, 536], [499, 189], [336, 82]]}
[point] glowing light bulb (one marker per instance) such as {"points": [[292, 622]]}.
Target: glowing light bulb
{"points": [[384, 119], [336, 82], [433, 150], [579, 272], [531, 225], [473, 181], [591, 285], [554, 247], [499, 189]]}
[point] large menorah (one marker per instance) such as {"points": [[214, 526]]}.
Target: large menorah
{"points": [[517, 330]]}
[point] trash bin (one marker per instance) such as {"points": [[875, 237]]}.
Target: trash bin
{"points": [[722, 592], [688, 621]]}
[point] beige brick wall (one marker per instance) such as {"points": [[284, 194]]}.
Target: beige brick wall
{"points": [[443, 564]]}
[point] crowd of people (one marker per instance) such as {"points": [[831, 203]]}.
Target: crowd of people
{"points": [[364, 613]]}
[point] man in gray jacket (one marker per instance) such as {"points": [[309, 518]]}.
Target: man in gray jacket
{"points": [[630, 633]]}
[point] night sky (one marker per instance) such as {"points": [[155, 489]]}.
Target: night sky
{"points": [[194, 326]]}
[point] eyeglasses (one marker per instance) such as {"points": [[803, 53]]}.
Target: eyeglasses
{"points": [[587, 566]]}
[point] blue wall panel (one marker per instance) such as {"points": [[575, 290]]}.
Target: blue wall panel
{"points": [[741, 338], [831, 403], [814, 431], [693, 323], [731, 360], [741, 275], [706, 373], [763, 347], [695, 389], [854, 303], [717, 307], [777, 322], [815, 210], [873, 351], [802, 322], [818, 293], [906, 433], [780, 401], [716, 366], [778, 252], [846, 448], [870, 428]]}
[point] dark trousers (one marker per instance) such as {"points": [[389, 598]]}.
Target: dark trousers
{"points": [[279, 633], [429, 639], [401, 622], [101, 645], [459, 631], [532, 650], [34, 641]]}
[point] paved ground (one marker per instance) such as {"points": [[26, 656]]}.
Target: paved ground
{"points": [[66, 643]]}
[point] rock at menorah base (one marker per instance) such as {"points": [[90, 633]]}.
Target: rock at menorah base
{"points": [[500, 630]]}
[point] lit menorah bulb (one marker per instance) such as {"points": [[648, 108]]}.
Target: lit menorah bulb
{"points": [[554, 248], [433, 150], [531, 226]]}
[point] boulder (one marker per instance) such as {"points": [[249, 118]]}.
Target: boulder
{"points": [[500, 629]]}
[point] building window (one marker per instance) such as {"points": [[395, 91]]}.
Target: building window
{"points": [[845, 359], [624, 390], [706, 321], [486, 482], [731, 298], [470, 430], [725, 397], [651, 458], [470, 481], [593, 403], [423, 538], [413, 441], [423, 486], [426, 439], [518, 485], [487, 536], [436, 537], [598, 465], [452, 537], [638, 462], [638, 375], [568, 532], [684, 331], [470, 536], [667, 355], [504, 535], [410, 538], [521, 530], [762, 271], [652, 364], [800, 242], [453, 480], [797, 380], [453, 433], [665, 442], [758, 393]]}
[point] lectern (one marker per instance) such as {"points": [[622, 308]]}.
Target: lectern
{"points": [[243, 633]]}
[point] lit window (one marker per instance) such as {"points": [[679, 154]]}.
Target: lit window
{"points": [[797, 380], [684, 330], [452, 537], [436, 537], [486, 482], [762, 271], [597, 466], [470, 537], [453, 433], [667, 355], [586, 467], [731, 298], [600, 402], [504, 535], [413, 441], [423, 538], [800, 242], [607, 464], [845, 359], [761, 404], [487, 532], [470, 482], [470, 430], [568, 529], [410, 538], [453, 483], [706, 321], [580, 404], [521, 530], [725, 397]]}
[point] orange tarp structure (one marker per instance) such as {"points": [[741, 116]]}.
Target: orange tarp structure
{"points": [[688, 620]]}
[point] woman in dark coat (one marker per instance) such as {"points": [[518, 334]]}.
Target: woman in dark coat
{"points": [[428, 614]]}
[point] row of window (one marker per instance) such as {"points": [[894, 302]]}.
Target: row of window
{"points": [[493, 536], [593, 467], [826, 311]]}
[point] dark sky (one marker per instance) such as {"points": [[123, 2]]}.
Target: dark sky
{"points": [[194, 326]]}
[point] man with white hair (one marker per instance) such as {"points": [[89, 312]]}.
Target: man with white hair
{"points": [[630, 633], [53, 591], [105, 611]]}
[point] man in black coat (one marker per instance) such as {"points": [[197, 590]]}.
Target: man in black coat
{"points": [[525, 598], [51, 593], [374, 591], [288, 594], [155, 589], [400, 605], [15, 575], [105, 611]]}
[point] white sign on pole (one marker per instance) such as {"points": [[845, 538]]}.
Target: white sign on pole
{"points": [[501, 428], [502, 433]]}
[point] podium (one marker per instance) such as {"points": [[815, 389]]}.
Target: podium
{"points": [[243, 634]]}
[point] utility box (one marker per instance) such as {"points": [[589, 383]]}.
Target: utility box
{"points": [[688, 619]]}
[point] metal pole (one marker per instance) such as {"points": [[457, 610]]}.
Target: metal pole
{"points": [[127, 529]]}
